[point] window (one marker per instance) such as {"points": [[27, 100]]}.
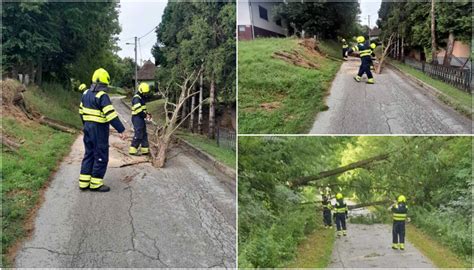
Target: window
{"points": [[241, 28], [263, 13], [278, 22]]}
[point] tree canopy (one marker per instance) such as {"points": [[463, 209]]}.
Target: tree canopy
{"points": [[324, 19], [60, 40], [197, 34], [434, 173], [411, 19]]}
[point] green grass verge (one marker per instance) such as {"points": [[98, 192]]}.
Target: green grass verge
{"points": [[296, 94], [458, 97], [25, 173], [315, 251], [56, 103], [441, 256], [224, 155]]}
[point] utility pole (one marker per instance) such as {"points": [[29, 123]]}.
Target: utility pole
{"points": [[136, 62], [136, 65], [368, 19]]}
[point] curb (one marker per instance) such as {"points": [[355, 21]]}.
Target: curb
{"points": [[466, 111], [210, 162]]}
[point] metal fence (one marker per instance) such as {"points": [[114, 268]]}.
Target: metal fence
{"points": [[458, 77], [225, 138]]}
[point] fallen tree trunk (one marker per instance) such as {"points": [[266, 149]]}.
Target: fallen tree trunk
{"points": [[362, 205], [10, 144], [45, 121], [356, 206], [359, 164]]}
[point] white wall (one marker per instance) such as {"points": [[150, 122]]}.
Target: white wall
{"points": [[243, 12], [259, 22]]}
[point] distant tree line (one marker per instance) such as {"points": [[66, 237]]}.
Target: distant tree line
{"points": [[328, 20], [427, 25], [61, 41], [193, 36]]}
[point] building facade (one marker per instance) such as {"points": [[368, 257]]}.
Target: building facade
{"points": [[255, 19]]}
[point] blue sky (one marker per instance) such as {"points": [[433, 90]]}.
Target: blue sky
{"points": [[136, 19]]}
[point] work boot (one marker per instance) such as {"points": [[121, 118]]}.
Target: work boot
{"points": [[84, 188], [357, 78], [395, 246], [102, 188], [370, 81], [344, 233], [133, 151], [402, 246]]}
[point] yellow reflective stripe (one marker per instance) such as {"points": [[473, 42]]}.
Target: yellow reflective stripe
{"points": [[136, 106], [399, 215], [365, 53], [356, 49], [85, 92], [92, 118], [137, 111], [96, 183], [108, 108], [85, 177], [111, 116], [98, 95], [138, 96], [81, 111], [92, 112], [132, 150], [144, 107]]}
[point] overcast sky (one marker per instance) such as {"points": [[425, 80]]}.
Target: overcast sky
{"points": [[369, 7], [136, 19]]}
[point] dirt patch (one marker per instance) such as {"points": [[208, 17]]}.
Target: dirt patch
{"points": [[296, 58], [270, 106]]}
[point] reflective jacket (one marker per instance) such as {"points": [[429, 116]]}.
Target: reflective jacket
{"points": [[340, 207], [138, 106], [96, 107], [399, 212], [345, 46], [364, 50], [326, 205]]}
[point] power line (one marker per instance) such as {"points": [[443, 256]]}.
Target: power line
{"points": [[149, 32]]}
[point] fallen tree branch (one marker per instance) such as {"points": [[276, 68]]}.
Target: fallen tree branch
{"points": [[358, 164], [45, 121], [10, 144], [362, 205], [134, 163]]}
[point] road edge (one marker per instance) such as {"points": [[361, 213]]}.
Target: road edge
{"points": [[442, 97], [210, 162]]}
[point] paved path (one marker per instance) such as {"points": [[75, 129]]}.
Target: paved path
{"points": [[393, 105], [179, 216], [369, 246]]}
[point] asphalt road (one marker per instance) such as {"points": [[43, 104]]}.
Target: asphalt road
{"points": [[178, 216], [369, 246], [393, 105]]}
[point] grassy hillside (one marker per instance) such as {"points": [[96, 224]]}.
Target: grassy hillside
{"points": [[276, 96], [26, 172]]}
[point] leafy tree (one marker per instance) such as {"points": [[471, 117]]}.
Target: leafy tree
{"points": [[325, 19], [57, 39]]}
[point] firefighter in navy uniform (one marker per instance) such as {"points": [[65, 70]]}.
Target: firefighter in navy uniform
{"points": [[340, 214], [399, 212], [365, 53], [326, 212], [345, 47], [97, 113], [139, 114]]}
